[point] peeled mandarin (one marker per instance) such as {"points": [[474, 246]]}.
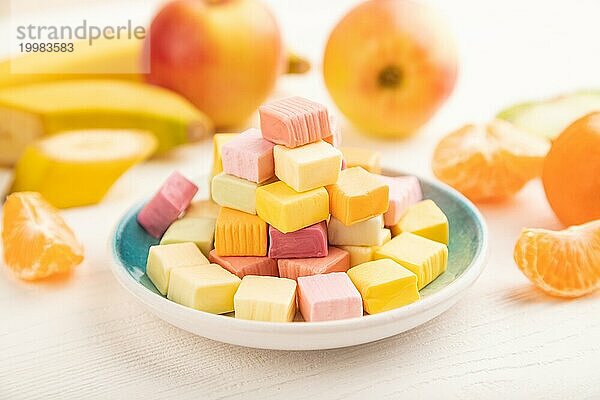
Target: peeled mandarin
{"points": [[562, 263], [37, 241], [489, 162]]}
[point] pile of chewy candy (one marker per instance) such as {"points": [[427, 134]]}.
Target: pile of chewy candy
{"points": [[293, 223]]}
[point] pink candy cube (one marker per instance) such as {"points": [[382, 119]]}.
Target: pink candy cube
{"points": [[328, 297], [242, 266], [304, 243], [404, 192], [337, 260], [167, 205], [249, 156], [294, 121]]}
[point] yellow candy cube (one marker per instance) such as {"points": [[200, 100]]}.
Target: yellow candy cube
{"points": [[363, 254], [240, 234], [384, 285], [357, 196], [288, 210], [424, 257], [307, 167], [266, 298], [359, 254], [208, 288], [366, 233], [162, 259], [219, 140], [425, 219], [362, 157], [200, 231], [202, 209], [237, 193]]}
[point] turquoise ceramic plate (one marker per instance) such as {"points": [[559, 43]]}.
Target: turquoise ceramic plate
{"points": [[467, 254]]}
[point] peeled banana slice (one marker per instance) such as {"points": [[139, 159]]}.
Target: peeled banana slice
{"points": [[77, 168]]}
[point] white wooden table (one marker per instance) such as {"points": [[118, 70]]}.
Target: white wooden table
{"points": [[85, 337]]}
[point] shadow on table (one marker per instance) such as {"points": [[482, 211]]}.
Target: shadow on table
{"points": [[528, 293]]}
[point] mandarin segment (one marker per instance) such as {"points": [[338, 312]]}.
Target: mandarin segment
{"points": [[37, 241], [489, 162], [562, 263]]}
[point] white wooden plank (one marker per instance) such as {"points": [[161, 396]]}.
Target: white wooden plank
{"points": [[85, 337]]}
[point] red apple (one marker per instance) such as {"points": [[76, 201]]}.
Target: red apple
{"points": [[389, 65], [222, 55]]}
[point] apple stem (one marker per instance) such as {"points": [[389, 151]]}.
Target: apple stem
{"points": [[390, 77]]}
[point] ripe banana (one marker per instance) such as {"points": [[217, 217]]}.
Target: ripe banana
{"points": [[31, 111], [106, 59], [77, 168]]}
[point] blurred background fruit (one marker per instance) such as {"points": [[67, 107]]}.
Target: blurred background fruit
{"points": [[362, 157], [562, 263], [6, 179], [106, 59], [222, 55], [31, 111], [389, 65], [548, 118], [296, 64], [78, 168], [489, 162], [36, 240], [571, 174]]}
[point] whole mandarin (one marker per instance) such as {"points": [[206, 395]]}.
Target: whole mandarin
{"points": [[571, 172]]}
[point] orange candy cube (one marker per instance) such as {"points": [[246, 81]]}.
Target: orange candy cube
{"points": [[240, 234]]}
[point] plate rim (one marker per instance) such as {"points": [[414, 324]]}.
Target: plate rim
{"points": [[162, 304]]}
